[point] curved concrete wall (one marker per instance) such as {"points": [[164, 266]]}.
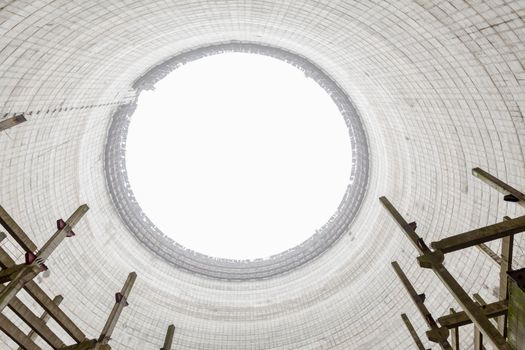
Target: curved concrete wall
{"points": [[439, 86]]}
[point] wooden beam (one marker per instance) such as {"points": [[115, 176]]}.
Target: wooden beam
{"points": [[408, 229], [13, 121], [43, 318], [459, 319], [434, 260], [410, 328], [121, 301], [436, 334], [33, 268], [62, 233], [16, 334], [34, 322], [480, 235], [478, 336], [6, 275], [54, 311], [85, 345], [20, 278], [46, 303], [16, 231], [500, 186], [168, 341], [507, 250]]}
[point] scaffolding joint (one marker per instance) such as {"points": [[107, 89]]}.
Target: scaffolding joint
{"points": [[438, 335], [431, 259]]}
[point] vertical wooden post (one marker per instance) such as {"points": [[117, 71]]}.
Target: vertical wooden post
{"points": [[455, 334], [434, 260], [168, 341], [121, 301]]}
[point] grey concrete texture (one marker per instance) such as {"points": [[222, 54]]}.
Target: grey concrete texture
{"points": [[440, 88]]}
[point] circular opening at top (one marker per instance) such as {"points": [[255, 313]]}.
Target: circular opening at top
{"points": [[238, 155]]}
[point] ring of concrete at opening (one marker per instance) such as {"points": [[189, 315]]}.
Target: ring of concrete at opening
{"points": [[150, 236]]}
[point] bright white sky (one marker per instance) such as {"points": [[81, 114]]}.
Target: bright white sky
{"points": [[238, 156]]}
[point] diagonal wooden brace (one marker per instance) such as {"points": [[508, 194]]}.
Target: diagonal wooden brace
{"points": [[64, 231], [510, 193], [436, 334]]}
